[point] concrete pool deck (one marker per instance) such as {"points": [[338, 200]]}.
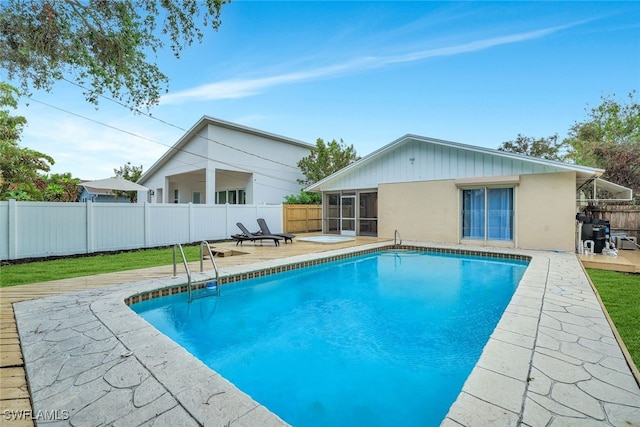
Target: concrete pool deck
{"points": [[553, 358]]}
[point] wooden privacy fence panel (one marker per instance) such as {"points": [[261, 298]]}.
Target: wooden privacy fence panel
{"points": [[622, 219], [302, 218], [45, 229]]}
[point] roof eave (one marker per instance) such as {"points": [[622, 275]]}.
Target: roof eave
{"points": [[595, 172]]}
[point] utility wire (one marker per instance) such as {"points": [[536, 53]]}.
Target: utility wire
{"points": [[135, 110], [166, 145]]}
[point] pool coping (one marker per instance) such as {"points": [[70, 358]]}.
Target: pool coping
{"points": [[88, 354]]}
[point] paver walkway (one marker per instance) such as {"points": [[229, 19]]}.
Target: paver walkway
{"points": [[552, 360]]}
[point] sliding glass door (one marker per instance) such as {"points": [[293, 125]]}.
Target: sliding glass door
{"points": [[487, 214]]}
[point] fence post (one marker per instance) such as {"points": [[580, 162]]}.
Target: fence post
{"points": [[147, 225], [13, 229], [226, 220], [89, 225], [191, 225]]}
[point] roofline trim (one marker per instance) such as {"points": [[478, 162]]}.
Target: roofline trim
{"points": [[482, 150]]}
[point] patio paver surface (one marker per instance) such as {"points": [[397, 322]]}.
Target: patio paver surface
{"points": [[552, 360]]}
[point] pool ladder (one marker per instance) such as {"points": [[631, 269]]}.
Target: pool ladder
{"points": [[215, 290], [397, 240]]}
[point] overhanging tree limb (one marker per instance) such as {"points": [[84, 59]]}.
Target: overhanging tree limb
{"points": [[104, 43]]}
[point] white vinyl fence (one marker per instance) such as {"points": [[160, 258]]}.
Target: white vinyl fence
{"points": [[44, 229]]}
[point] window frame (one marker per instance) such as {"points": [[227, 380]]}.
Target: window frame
{"points": [[487, 235], [232, 197]]}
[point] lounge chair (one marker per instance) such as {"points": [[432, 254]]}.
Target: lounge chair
{"points": [[247, 235], [264, 229]]}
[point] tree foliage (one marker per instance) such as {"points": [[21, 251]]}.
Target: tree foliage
{"points": [[61, 188], [610, 139], [610, 123], [102, 44], [19, 166], [543, 148], [130, 173], [326, 159], [303, 198], [10, 126]]}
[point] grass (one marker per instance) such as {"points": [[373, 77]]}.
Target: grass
{"points": [[620, 293], [43, 271]]}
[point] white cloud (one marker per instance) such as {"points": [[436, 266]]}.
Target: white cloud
{"points": [[90, 150], [240, 88]]}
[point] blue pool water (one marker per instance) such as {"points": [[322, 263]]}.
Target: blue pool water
{"points": [[382, 339]]}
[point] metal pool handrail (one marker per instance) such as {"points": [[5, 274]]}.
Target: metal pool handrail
{"points": [[397, 242], [186, 267], [204, 244]]}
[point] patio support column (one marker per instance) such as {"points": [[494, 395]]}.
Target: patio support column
{"points": [[210, 185], [166, 196]]}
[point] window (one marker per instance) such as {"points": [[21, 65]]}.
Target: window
{"points": [[487, 213], [196, 197], [222, 197], [233, 197]]}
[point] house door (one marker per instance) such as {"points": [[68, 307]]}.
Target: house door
{"points": [[348, 215]]}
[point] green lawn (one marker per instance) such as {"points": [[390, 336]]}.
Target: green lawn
{"points": [[42, 271], [620, 294]]}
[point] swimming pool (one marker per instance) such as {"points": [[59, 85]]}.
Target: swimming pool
{"points": [[370, 340]]}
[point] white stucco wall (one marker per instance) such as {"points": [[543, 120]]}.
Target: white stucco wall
{"points": [[430, 211], [546, 211]]}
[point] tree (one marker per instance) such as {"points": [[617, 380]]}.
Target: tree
{"points": [[303, 198], [326, 159], [610, 139], [10, 126], [609, 123], [543, 148], [61, 188], [19, 166], [130, 173], [102, 43]]}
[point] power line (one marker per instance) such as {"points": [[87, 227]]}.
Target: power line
{"points": [[135, 110], [166, 145]]}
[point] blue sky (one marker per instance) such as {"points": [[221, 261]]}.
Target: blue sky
{"points": [[477, 73]]}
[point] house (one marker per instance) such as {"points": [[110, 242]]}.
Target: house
{"points": [[105, 191], [99, 195], [218, 162], [434, 190]]}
